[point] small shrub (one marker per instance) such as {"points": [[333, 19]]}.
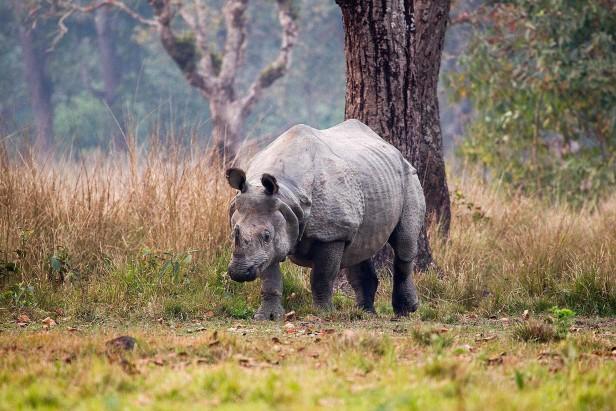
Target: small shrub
{"points": [[19, 295], [562, 320], [237, 307], [176, 310], [427, 313], [430, 337], [534, 331]]}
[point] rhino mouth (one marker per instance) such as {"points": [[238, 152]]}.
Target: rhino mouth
{"points": [[243, 274]]}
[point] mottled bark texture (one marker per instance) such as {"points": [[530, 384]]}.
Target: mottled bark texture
{"points": [[393, 54], [39, 85]]}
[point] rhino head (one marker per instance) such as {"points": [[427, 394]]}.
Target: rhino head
{"points": [[264, 228]]}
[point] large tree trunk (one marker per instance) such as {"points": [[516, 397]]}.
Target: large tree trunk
{"points": [[39, 87], [393, 54]]}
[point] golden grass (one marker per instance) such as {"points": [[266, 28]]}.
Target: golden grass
{"points": [[105, 209]]}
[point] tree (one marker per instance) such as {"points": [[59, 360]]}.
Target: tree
{"points": [[541, 75], [108, 58], [392, 65], [213, 73], [34, 56]]}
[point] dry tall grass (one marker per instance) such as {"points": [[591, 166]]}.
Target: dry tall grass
{"points": [[108, 209], [509, 252], [103, 231]]}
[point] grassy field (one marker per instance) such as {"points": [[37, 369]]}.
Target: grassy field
{"points": [[308, 363], [138, 245]]}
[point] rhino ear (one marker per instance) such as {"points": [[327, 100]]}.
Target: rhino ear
{"points": [[269, 183], [236, 178]]}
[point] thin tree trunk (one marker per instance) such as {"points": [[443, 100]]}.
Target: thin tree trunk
{"points": [[109, 66], [108, 58], [393, 53], [39, 87]]}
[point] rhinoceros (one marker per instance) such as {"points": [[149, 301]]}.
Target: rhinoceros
{"points": [[327, 199]]}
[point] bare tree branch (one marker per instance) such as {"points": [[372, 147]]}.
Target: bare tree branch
{"points": [[194, 17], [235, 44], [69, 7], [62, 30], [182, 50], [280, 65], [118, 4]]}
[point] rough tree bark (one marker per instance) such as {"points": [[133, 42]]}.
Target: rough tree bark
{"points": [[39, 85], [393, 54], [212, 73]]}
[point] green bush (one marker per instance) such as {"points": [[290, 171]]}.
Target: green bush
{"points": [[541, 76]]}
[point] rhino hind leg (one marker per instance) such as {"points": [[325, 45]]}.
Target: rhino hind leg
{"points": [[403, 240], [326, 259], [364, 281]]}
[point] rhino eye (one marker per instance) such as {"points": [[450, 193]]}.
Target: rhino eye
{"points": [[266, 236]]}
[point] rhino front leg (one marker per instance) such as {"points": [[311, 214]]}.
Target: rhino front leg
{"points": [[326, 258], [271, 295]]}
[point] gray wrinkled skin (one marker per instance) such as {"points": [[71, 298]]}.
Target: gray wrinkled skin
{"points": [[327, 199]]}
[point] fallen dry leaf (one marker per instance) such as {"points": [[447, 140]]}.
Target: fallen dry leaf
{"points": [[23, 318], [49, 322], [498, 360], [525, 315], [487, 338], [289, 316]]}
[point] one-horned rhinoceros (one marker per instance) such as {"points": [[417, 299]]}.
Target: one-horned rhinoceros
{"points": [[328, 199]]}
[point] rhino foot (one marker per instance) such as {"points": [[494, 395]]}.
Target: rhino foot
{"points": [[404, 303], [269, 312]]}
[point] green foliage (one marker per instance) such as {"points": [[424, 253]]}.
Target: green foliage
{"points": [[562, 320], [19, 296], [542, 77]]}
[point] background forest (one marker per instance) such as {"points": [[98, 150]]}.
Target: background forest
{"points": [[527, 91]]}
